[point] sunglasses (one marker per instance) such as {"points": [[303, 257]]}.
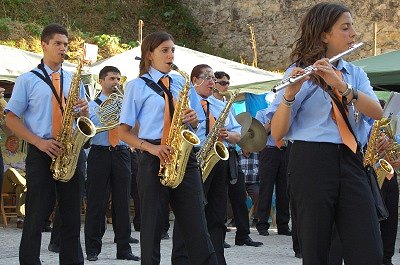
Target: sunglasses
{"points": [[223, 83]]}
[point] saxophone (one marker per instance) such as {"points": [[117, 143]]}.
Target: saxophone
{"points": [[72, 140], [179, 138], [213, 150], [371, 157], [3, 104]]}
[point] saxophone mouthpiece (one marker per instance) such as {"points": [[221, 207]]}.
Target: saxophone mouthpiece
{"points": [[174, 67]]}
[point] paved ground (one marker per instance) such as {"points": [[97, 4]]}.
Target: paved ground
{"points": [[277, 249]]}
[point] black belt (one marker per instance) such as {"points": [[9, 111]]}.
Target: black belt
{"points": [[110, 148], [156, 142], [273, 147]]}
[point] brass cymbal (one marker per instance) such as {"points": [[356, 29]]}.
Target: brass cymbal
{"points": [[253, 133]]}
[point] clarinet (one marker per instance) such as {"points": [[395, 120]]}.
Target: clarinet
{"points": [[309, 69]]}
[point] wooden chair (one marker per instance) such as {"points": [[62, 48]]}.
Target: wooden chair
{"points": [[8, 207]]}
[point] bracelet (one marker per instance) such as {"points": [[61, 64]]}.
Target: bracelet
{"points": [[348, 90], [287, 103]]}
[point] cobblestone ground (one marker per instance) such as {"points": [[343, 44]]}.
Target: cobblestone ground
{"points": [[277, 249]]}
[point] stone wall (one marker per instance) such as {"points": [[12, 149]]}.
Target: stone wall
{"points": [[225, 24]]}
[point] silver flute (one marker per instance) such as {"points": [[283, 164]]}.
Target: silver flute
{"points": [[310, 69]]}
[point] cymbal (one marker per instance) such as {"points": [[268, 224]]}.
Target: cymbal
{"points": [[253, 134]]}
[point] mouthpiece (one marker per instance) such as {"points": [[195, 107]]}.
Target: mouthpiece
{"points": [[138, 58]]}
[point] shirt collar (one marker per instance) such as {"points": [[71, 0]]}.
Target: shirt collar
{"points": [[49, 71], [343, 66], [157, 75]]}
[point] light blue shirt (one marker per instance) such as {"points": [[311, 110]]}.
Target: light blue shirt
{"points": [[311, 114], [216, 107], [102, 137], [141, 104], [32, 99]]}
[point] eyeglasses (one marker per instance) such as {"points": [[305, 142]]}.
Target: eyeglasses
{"points": [[223, 83], [208, 78]]}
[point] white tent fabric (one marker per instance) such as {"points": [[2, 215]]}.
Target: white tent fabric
{"points": [[14, 62], [186, 59]]}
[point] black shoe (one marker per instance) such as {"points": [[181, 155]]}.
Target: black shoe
{"points": [[263, 232], [54, 248], [46, 228], [133, 240], [285, 232], [248, 242], [92, 257], [164, 235], [298, 255], [226, 245], [128, 256]]}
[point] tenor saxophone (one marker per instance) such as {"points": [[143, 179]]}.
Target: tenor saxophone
{"points": [[72, 140], [371, 157], [179, 138], [3, 104], [213, 150]]}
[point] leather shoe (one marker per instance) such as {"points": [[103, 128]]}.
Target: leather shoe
{"points": [[128, 256], [226, 245], [164, 235], [263, 232], [46, 228], [20, 224], [286, 232], [298, 255], [133, 240], [248, 242], [54, 248], [92, 257]]}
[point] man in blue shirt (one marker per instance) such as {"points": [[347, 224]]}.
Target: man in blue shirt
{"points": [[29, 116], [108, 170]]}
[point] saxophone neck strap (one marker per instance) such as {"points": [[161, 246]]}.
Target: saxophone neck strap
{"points": [[161, 90], [46, 78]]}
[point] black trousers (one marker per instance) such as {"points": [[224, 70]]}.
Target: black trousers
{"points": [[108, 169], [328, 185], [272, 171], [390, 194], [216, 189], [40, 185], [55, 237], [187, 202], [134, 190], [237, 196], [295, 237]]}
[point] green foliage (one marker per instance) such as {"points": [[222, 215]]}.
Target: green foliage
{"points": [[104, 39], [4, 28], [34, 29]]}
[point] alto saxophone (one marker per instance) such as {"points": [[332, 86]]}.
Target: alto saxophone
{"points": [[371, 157], [72, 140], [3, 104], [213, 150], [179, 138]]}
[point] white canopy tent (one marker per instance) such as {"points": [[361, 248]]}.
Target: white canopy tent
{"points": [[14, 62], [241, 75]]}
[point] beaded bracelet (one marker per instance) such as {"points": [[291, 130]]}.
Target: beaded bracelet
{"points": [[287, 103]]}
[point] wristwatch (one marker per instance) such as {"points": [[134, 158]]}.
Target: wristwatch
{"points": [[355, 94]]}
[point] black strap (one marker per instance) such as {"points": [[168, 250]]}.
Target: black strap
{"points": [[207, 118], [98, 101], [160, 89], [46, 78]]}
